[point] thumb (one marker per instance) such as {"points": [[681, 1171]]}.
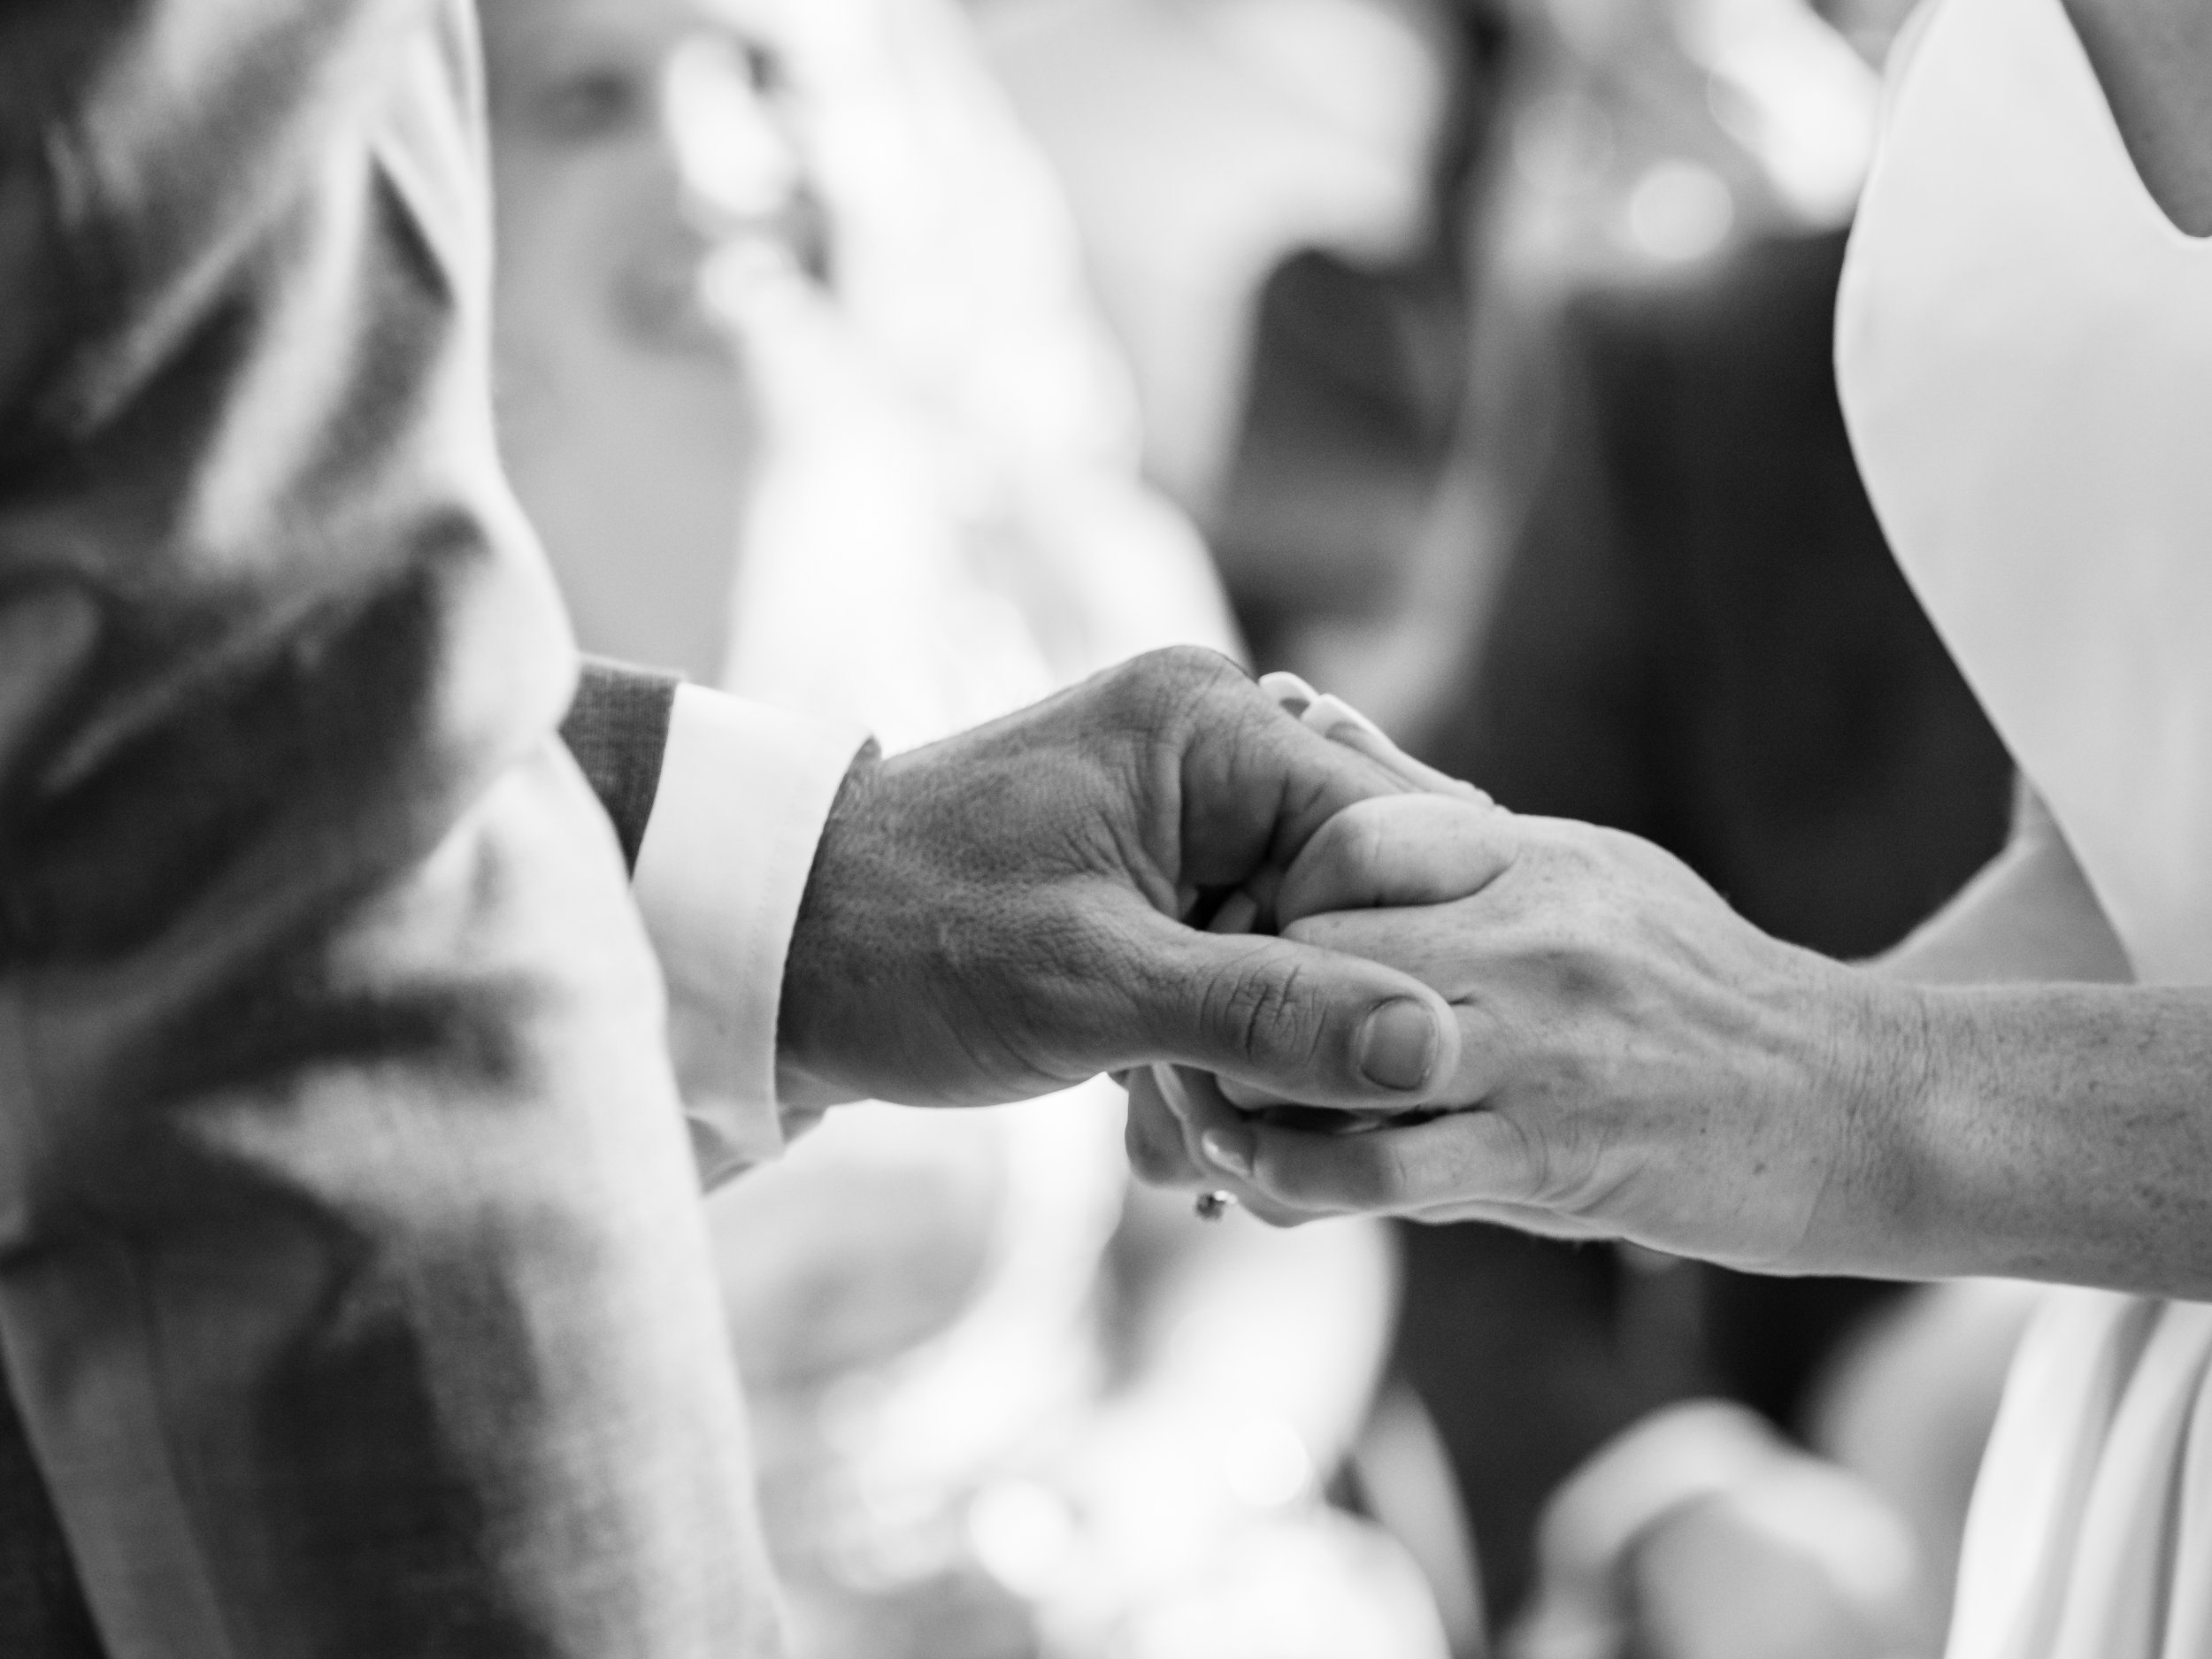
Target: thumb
{"points": [[1313, 1026]]}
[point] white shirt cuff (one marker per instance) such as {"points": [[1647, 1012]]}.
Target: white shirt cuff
{"points": [[744, 792]]}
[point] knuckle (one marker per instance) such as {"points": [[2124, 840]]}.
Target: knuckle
{"points": [[1386, 1174], [1557, 1171], [1160, 697], [1174, 675], [1263, 1016], [1534, 1164], [1357, 840], [1196, 663], [1371, 844]]}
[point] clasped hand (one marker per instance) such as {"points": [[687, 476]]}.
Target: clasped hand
{"points": [[1530, 1021], [1634, 1059]]}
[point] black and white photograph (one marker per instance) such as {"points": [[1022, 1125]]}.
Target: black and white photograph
{"points": [[1105, 829]]}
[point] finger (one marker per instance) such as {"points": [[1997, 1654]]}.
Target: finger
{"points": [[1397, 851], [1170, 1110], [1204, 1121], [1495, 1050], [1251, 908], [1290, 694], [1222, 1142], [1341, 723], [1308, 1025], [1467, 1158], [1250, 1100], [1248, 1097], [1162, 1152], [1544, 1223], [1240, 913], [1254, 785]]}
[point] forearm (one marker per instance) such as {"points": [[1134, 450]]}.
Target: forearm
{"points": [[2060, 1132], [2059, 1129]]}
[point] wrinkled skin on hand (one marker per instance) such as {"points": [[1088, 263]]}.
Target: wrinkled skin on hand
{"points": [[1636, 1060], [1010, 912]]}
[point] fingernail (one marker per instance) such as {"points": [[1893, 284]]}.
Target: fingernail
{"points": [[1397, 1045], [1238, 913], [1228, 1152], [1291, 694], [1330, 713]]}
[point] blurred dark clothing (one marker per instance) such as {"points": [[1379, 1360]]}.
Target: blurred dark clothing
{"points": [[1358, 373], [1356, 380], [1701, 636]]}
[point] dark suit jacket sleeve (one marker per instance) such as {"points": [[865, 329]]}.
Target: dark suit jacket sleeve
{"points": [[617, 728], [354, 1299]]}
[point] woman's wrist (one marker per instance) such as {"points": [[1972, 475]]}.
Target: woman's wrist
{"points": [[1880, 1209], [1987, 1164]]}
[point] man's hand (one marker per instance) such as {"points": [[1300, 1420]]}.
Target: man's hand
{"points": [[1010, 912], [1635, 1059]]}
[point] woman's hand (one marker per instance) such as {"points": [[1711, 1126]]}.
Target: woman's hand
{"points": [[1639, 1061], [1635, 1059]]}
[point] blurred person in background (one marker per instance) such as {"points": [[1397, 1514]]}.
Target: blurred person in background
{"points": [[1351, 403], [1654, 595], [1210, 146], [800, 383], [1630, 141]]}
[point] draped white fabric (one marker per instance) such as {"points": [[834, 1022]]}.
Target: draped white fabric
{"points": [[2025, 349]]}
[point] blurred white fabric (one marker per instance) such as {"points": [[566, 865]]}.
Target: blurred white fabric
{"points": [[947, 521]]}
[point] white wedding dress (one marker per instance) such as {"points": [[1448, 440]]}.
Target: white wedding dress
{"points": [[2025, 348]]}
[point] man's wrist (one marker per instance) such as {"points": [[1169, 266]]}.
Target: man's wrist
{"points": [[826, 965]]}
